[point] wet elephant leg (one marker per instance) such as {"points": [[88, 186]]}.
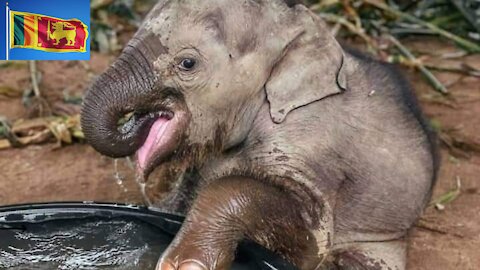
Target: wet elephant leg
{"points": [[233, 209], [389, 255]]}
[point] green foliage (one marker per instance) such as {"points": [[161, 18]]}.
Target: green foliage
{"points": [[452, 19], [461, 17], [111, 17]]}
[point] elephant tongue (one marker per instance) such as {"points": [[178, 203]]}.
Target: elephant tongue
{"points": [[153, 142]]}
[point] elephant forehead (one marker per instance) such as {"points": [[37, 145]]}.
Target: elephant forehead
{"points": [[161, 19], [219, 15]]}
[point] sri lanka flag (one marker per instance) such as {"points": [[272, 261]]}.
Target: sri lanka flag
{"points": [[45, 33], [45, 30]]}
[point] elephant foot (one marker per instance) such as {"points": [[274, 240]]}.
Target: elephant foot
{"points": [[199, 248], [189, 264], [183, 262], [232, 209]]}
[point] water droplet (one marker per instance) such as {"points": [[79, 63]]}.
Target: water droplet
{"points": [[119, 178], [142, 186]]}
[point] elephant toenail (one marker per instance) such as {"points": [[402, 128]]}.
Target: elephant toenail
{"points": [[192, 265], [165, 265]]}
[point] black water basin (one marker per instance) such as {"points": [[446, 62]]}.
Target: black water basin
{"points": [[99, 236]]}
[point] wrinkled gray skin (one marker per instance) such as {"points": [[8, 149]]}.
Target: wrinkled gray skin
{"points": [[315, 152]]}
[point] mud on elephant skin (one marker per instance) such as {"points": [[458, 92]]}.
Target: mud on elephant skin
{"points": [[263, 127]]}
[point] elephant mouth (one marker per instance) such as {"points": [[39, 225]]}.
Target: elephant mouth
{"points": [[162, 140]]}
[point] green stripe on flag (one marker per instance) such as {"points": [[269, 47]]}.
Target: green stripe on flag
{"points": [[18, 30]]}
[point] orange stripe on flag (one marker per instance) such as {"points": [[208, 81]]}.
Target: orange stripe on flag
{"points": [[29, 30]]}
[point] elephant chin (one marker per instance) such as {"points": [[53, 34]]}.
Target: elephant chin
{"points": [[162, 140]]}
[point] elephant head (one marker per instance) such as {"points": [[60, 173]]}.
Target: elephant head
{"points": [[196, 73]]}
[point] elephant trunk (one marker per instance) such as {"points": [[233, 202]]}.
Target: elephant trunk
{"points": [[126, 88]]}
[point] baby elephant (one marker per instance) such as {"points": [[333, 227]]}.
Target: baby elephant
{"points": [[263, 128]]}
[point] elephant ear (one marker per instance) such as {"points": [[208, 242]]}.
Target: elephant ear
{"points": [[310, 69]]}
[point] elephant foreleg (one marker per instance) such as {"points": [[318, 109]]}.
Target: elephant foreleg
{"points": [[235, 208]]}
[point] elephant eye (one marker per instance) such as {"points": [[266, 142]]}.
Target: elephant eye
{"points": [[187, 64]]}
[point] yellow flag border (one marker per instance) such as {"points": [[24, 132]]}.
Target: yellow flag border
{"points": [[35, 47]]}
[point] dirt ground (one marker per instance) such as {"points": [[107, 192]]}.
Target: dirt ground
{"points": [[443, 239]]}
